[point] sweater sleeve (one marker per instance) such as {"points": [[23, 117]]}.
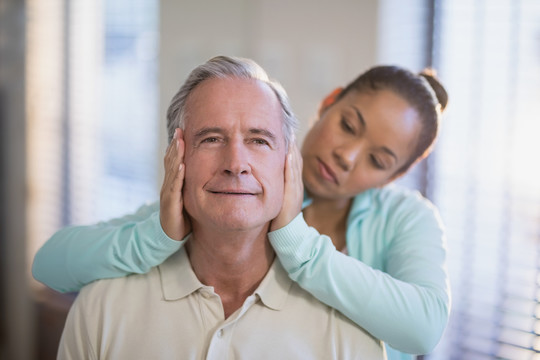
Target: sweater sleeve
{"points": [[408, 310], [77, 255]]}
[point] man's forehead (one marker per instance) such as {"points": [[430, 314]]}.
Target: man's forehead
{"points": [[220, 88], [224, 102]]}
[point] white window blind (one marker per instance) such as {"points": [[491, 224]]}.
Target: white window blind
{"points": [[487, 178]]}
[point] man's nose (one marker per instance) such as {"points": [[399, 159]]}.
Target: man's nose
{"points": [[347, 154], [236, 159]]}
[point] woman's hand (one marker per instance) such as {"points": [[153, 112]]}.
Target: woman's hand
{"points": [[174, 221], [293, 194]]}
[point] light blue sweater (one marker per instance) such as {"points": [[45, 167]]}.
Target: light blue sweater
{"points": [[398, 291]]}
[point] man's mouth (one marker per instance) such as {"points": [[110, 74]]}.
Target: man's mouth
{"points": [[232, 192]]}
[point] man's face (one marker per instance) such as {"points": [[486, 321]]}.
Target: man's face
{"points": [[235, 155]]}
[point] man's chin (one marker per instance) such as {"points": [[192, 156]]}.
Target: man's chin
{"points": [[232, 223]]}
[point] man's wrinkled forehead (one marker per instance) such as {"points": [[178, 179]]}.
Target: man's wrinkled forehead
{"points": [[267, 115]]}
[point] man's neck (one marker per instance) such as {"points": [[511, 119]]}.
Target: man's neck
{"points": [[234, 263]]}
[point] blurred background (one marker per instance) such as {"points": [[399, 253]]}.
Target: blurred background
{"points": [[84, 86]]}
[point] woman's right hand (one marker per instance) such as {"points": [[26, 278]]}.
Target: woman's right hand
{"points": [[293, 194], [174, 220]]}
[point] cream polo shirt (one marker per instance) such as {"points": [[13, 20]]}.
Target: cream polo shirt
{"points": [[169, 314]]}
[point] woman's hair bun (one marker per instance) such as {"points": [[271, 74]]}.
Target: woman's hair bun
{"points": [[431, 76]]}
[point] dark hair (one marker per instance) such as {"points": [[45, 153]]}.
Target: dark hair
{"points": [[422, 91]]}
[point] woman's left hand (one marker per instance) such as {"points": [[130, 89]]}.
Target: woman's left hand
{"points": [[293, 193]]}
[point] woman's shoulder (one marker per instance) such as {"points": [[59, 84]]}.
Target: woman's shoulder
{"points": [[396, 198], [400, 208]]}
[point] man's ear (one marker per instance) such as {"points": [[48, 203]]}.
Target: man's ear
{"points": [[329, 99]]}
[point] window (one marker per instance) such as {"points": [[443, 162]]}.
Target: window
{"points": [[486, 181], [93, 111]]}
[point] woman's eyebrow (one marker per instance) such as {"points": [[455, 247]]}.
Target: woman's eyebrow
{"points": [[359, 116], [389, 152]]}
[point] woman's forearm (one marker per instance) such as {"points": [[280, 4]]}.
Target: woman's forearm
{"points": [[78, 255], [408, 316]]}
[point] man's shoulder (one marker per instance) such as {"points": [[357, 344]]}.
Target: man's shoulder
{"points": [[140, 289], [304, 305], [122, 287], [316, 319], [296, 314], [303, 301]]}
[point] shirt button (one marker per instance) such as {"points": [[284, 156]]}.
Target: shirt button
{"points": [[220, 333], [205, 294]]}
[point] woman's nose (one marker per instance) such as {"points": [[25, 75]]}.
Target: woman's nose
{"points": [[347, 154]]}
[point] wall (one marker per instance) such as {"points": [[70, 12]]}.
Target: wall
{"points": [[310, 49]]}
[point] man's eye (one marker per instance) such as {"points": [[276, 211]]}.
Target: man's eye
{"points": [[260, 141], [210, 140], [346, 126]]}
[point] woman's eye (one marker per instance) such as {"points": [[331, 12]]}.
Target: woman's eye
{"points": [[376, 162], [346, 126]]}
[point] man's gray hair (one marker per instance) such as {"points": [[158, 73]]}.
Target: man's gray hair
{"points": [[228, 67]]}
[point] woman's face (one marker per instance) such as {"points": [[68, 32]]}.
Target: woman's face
{"points": [[359, 142]]}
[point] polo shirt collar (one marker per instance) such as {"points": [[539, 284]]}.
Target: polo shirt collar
{"points": [[178, 281], [274, 288], [177, 277]]}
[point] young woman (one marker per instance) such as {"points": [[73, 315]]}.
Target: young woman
{"points": [[382, 259]]}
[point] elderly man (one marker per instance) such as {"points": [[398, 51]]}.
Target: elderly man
{"points": [[223, 295]]}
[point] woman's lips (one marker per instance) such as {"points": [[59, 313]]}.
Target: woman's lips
{"points": [[327, 173]]}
